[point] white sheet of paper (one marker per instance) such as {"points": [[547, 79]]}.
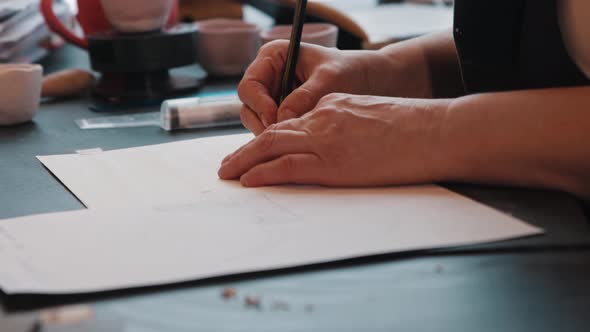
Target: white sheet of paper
{"points": [[105, 249], [159, 214]]}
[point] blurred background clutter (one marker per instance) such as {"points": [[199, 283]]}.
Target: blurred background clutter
{"points": [[24, 36], [198, 40]]}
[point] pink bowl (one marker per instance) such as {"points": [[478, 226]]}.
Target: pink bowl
{"points": [[226, 47], [323, 34], [20, 92]]}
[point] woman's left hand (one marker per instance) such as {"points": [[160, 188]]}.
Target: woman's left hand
{"points": [[348, 140]]}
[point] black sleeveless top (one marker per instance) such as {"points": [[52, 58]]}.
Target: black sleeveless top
{"points": [[512, 44]]}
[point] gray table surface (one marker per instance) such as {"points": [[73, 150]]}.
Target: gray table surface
{"points": [[536, 284]]}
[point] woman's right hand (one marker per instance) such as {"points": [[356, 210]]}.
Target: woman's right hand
{"points": [[320, 71]]}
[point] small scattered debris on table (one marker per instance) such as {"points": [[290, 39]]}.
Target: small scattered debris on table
{"points": [[255, 302], [65, 315], [280, 306], [252, 302], [229, 293]]}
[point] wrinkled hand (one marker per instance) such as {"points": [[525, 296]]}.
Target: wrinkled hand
{"points": [[347, 140], [320, 71]]}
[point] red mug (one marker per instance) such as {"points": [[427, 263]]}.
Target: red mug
{"points": [[92, 19]]}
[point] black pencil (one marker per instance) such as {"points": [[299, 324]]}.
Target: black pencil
{"points": [[293, 53]]}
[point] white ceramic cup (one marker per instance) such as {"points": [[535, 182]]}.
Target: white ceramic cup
{"points": [[226, 47], [137, 15], [323, 34], [20, 94]]}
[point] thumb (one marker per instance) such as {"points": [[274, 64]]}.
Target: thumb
{"points": [[302, 100]]}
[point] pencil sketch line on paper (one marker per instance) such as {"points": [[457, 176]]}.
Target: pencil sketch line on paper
{"points": [[282, 208]]}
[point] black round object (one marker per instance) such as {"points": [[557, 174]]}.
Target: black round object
{"points": [[144, 68], [118, 91], [143, 52]]}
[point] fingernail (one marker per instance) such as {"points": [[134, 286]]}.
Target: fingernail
{"points": [[287, 115]]}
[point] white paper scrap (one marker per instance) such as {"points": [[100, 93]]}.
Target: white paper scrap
{"points": [[155, 175]]}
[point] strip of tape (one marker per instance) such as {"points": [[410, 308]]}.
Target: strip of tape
{"points": [[87, 152]]}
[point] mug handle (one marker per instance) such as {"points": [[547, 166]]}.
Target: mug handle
{"points": [[56, 26]]}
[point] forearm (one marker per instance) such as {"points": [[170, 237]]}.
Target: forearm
{"points": [[537, 138], [424, 67]]}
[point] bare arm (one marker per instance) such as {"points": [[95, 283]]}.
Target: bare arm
{"points": [[531, 138], [424, 67], [538, 138]]}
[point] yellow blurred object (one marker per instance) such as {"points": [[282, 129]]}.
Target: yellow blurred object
{"points": [[371, 24], [204, 9], [331, 14], [67, 83]]}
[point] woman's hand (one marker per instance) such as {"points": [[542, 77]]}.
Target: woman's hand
{"points": [[320, 71], [423, 67], [347, 140]]}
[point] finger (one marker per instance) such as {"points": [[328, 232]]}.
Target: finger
{"points": [[229, 156], [288, 169], [260, 85], [239, 150], [292, 125], [303, 99], [251, 121], [256, 95], [270, 145]]}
